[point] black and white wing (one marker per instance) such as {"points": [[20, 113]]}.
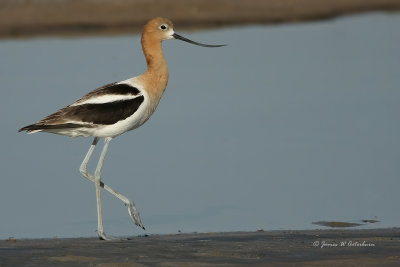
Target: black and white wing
{"points": [[104, 106]]}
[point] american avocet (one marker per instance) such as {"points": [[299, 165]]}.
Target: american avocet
{"points": [[116, 108]]}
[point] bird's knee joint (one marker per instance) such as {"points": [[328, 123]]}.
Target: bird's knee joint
{"points": [[84, 173]]}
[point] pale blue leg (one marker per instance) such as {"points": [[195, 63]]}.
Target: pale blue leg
{"points": [[134, 214]]}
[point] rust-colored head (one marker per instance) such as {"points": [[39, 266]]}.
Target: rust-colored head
{"points": [[160, 29]]}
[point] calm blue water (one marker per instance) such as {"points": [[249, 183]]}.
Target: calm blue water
{"points": [[287, 125]]}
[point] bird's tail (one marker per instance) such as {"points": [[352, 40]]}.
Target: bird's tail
{"points": [[33, 128], [39, 127]]}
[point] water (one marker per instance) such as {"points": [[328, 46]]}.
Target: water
{"points": [[288, 125]]}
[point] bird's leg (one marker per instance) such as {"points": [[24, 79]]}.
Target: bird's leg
{"points": [[97, 175], [85, 161], [134, 214], [131, 205], [96, 180]]}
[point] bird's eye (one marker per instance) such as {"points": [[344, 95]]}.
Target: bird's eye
{"points": [[163, 27]]}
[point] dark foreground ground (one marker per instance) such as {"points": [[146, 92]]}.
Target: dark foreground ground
{"points": [[378, 247]]}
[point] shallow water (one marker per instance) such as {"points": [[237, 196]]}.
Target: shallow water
{"points": [[288, 125]]}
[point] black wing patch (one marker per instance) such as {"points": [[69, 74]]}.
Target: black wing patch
{"points": [[111, 89], [104, 113]]}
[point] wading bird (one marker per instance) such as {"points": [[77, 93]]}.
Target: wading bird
{"points": [[116, 108]]}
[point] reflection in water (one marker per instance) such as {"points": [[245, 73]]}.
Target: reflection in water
{"points": [[335, 224], [287, 125]]}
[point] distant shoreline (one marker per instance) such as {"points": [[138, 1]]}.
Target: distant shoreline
{"points": [[37, 18]]}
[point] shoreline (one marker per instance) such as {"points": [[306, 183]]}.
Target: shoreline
{"points": [[43, 18], [363, 247]]}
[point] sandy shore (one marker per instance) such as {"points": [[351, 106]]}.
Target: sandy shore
{"points": [[22, 18], [378, 247]]}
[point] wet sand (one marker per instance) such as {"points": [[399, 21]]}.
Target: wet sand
{"points": [[33, 18], [377, 247]]}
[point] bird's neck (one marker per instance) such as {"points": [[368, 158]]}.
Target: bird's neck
{"points": [[156, 76]]}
